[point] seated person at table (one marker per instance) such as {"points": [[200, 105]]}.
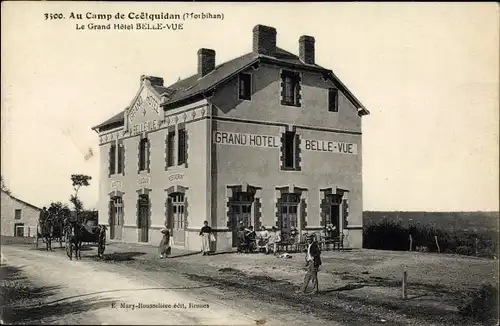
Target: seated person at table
{"points": [[251, 236]]}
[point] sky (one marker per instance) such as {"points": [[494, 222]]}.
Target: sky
{"points": [[428, 73]]}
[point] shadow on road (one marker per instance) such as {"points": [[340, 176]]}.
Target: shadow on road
{"points": [[122, 256], [23, 302]]}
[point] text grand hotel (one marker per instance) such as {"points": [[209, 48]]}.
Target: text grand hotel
{"points": [[266, 139]]}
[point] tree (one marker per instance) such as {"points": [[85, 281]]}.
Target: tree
{"points": [[4, 187], [59, 210], [78, 180]]}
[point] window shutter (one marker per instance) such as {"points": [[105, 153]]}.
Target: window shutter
{"points": [[138, 212], [298, 88], [139, 160], [345, 212], [297, 152], [282, 150], [148, 155], [283, 88], [186, 147], [111, 157], [123, 158], [258, 213], [110, 211], [186, 205], [323, 207]]}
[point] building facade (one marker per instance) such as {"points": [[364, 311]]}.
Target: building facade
{"points": [[267, 139], [19, 218]]}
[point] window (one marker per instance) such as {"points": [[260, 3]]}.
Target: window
{"points": [[290, 93], [245, 87], [171, 148], [333, 100], [112, 159], [121, 158], [289, 150], [181, 149], [143, 154], [17, 214], [289, 206]]}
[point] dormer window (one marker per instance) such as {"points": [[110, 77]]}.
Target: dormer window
{"points": [[290, 88], [333, 100], [245, 87]]}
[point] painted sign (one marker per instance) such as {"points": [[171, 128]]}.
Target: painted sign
{"points": [[144, 180], [145, 126], [116, 184], [251, 140], [176, 177], [144, 100], [329, 146]]}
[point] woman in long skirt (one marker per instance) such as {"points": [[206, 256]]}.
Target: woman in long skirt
{"points": [[164, 249], [205, 233]]}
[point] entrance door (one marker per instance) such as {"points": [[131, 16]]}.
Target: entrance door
{"points": [[116, 218], [19, 229], [288, 216], [143, 218], [332, 214], [178, 218], [241, 213]]}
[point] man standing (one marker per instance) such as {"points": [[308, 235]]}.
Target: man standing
{"points": [[313, 262]]}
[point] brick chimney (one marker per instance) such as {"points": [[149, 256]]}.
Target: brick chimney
{"points": [[264, 40], [206, 61], [158, 81], [306, 49]]}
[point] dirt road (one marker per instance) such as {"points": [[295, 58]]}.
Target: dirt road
{"points": [[112, 294]]}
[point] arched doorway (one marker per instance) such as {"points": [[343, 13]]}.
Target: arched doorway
{"points": [[116, 218], [288, 217], [176, 220], [240, 210], [143, 218]]}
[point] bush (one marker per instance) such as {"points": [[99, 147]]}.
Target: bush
{"points": [[482, 305], [389, 235]]}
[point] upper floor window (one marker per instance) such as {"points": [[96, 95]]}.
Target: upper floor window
{"points": [[333, 100], [290, 88], [290, 151], [181, 149], [171, 148], [112, 159], [245, 86], [143, 154], [17, 214]]}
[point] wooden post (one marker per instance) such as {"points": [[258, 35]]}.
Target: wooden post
{"points": [[405, 277], [411, 243], [477, 245], [437, 244]]}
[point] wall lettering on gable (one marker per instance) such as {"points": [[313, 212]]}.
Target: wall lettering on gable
{"points": [[145, 126], [250, 140], [330, 147]]}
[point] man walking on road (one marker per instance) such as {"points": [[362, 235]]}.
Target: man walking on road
{"points": [[313, 262]]}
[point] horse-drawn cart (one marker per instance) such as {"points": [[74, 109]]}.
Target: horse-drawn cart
{"points": [[79, 233], [49, 230]]}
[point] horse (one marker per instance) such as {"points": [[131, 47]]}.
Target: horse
{"points": [[79, 233], [73, 242], [46, 231]]}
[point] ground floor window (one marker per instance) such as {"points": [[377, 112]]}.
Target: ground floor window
{"points": [[288, 216]]}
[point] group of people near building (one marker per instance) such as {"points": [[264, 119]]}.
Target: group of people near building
{"points": [[262, 239]]}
